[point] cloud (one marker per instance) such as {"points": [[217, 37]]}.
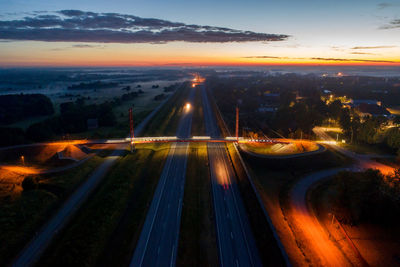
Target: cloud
{"points": [[77, 46], [373, 47], [362, 53], [87, 46], [82, 26], [326, 59], [273, 57], [354, 60], [394, 24], [387, 5]]}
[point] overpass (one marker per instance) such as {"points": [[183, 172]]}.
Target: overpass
{"points": [[193, 139]]}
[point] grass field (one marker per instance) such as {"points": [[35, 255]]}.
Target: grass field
{"points": [[128, 187], [197, 240], [22, 216]]}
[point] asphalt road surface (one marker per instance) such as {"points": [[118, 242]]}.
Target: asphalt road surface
{"points": [[236, 242], [158, 241], [317, 239], [34, 249]]}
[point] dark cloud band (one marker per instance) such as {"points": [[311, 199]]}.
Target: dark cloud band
{"points": [[326, 59], [394, 24], [81, 26]]}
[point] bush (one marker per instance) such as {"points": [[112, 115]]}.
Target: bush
{"points": [[11, 136], [30, 183], [40, 132], [367, 197], [15, 107]]}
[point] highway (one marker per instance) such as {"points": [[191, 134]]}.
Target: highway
{"points": [[158, 241], [235, 239], [34, 249]]}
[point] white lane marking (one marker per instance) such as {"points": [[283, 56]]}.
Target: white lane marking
{"points": [[172, 256]]}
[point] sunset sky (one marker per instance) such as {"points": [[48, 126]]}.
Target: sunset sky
{"points": [[137, 33]]}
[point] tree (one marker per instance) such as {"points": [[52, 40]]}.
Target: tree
{"points": [[393, 138], [335, 109], [39, 132], [29, 183], [349, 121], [368, 131], [11, 136]]}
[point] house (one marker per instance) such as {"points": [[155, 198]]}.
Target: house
{"points": [[357, 102]]}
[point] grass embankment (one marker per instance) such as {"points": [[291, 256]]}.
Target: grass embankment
{"points": [[365, 205], [265, 240], [274, 181], [281, 149], [22, 217], [121, 200], [166, 121], [197, 240]]}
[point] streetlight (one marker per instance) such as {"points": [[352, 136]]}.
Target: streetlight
{"points": [[23, 160]]}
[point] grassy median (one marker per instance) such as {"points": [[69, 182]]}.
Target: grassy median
{"points": [[197, 240], [198, 127], [166, 121], [129, 186]]}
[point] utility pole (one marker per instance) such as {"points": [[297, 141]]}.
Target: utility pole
{"points": [[237, 124], [131, 129]]}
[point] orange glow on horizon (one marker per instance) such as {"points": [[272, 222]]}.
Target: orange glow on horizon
{"points": [[194, 62]]}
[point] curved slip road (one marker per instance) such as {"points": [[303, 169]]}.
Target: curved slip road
{"points": [[318, 240], [158, 241], [236, 242], [34, 249]]}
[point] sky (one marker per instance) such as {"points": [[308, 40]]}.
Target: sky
{"points": [[199, 33]]}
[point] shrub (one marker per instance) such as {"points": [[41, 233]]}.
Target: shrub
{"points": [[30, 183]]}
